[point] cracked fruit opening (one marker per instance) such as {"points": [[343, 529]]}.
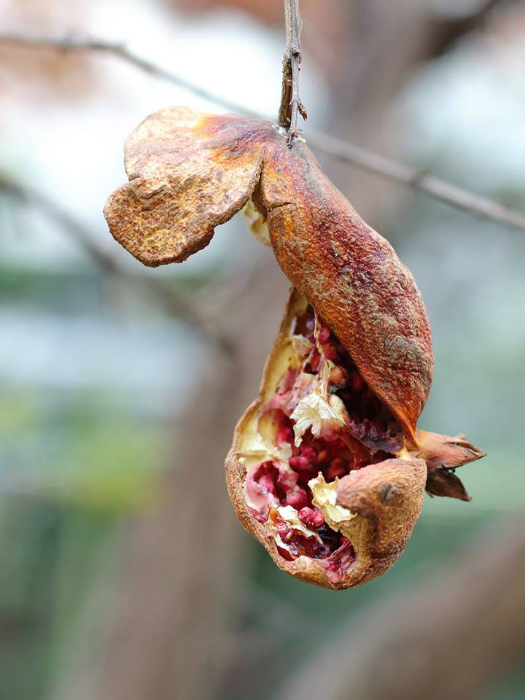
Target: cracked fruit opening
{"points": [[300, 447]]}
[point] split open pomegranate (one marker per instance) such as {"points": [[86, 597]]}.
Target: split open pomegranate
{"points": [[303, 452]]}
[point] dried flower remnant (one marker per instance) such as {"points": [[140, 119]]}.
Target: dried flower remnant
{"points": [[327, 467]]}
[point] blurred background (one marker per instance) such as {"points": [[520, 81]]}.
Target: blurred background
{"points": [[123, 571]]}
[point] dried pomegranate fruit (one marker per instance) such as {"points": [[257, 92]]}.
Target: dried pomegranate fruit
{"points": [[327, 467]]}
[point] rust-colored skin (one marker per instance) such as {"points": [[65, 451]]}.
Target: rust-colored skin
{"points": [[352, 277], [189, 172]]}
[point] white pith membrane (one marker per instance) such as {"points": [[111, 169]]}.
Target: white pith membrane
{"points": [[317, 422]]}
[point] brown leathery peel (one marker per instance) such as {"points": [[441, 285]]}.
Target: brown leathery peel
{"points": [[327, 468]]}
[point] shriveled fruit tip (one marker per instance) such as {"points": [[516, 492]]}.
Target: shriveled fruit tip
{"points": [[443, 482], [446, 451]]}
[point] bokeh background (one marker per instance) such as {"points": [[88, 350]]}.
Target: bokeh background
{"points": [[123, 571]]}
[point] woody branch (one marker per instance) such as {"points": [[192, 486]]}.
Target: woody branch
{"points": [[291, 105]]}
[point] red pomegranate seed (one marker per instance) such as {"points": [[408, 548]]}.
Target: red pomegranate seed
{"points": [[309, 452], [300, 463], [318, 518], [298, 499], [357, 382], [306, 515], [284, 434], [323, 456], [338, 375], [311, 517], [330, 352], [266, 482], [324, 334]]}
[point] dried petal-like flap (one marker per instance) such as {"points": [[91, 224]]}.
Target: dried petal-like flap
{"points": [[442, 482], [188, 172]]}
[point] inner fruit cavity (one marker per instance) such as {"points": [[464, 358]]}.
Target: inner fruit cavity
{"points": [[322, 419]]}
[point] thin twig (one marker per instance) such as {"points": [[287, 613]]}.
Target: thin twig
{"points": [[386, 168], [395, 171], [291, 105], [174, 304], [67, 45]]}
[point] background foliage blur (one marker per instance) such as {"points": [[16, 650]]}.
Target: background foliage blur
{"points": [[100, 382]]}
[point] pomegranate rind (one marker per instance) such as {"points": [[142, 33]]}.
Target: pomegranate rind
{"points": [[352, 277], [386, 499]]}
